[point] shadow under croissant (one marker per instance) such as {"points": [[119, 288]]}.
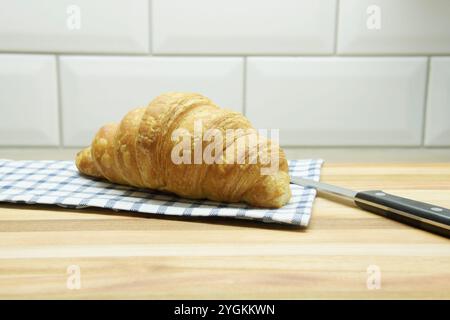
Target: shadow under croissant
{"points": [[162, 195], [100, 225]]}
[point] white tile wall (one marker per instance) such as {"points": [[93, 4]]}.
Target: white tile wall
{"points": [[239, 27], [438, 106], [28, 100], [406, 27], [338, 101], [97, 90], [116, 26], [309, 67]]}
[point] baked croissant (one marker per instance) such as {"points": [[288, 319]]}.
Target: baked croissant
{"points": [[139, 151]]}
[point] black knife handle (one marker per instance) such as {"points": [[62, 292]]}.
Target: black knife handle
{"points": [[415, 213]]}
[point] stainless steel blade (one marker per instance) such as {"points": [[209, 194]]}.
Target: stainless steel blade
{"points": [[324, 187]]}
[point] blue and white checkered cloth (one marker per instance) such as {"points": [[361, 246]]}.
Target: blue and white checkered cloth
{"points": [[59, 183]]}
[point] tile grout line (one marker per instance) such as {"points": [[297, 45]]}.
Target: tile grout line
{"points": [[244, 86], [227, 55], [150, 28], [425, 101], [287, 146], [59, 99], [336, 26]]}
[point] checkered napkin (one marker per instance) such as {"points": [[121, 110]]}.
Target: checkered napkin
{"points": [[58, 182]]}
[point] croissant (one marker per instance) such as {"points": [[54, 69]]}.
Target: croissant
{"points": [[143, 151]]}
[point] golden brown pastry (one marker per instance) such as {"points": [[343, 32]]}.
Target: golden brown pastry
{"points": [[150, 148]]}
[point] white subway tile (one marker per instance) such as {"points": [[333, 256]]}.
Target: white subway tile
{"points": [[243, 27], [406, 27], [28, 100], [96, 90], [117, 26], [338, 101], [437, 131]]}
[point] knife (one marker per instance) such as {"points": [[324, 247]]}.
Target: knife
{"points": [[414, 213]]}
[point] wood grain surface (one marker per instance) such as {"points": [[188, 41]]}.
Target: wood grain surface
{"points": [[140, 256]]}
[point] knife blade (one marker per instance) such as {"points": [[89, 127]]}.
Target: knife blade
{"points": [[418, 214]]}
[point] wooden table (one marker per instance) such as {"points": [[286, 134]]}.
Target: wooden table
{"points": [[345, 253]]}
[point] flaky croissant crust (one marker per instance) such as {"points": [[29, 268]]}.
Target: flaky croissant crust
{"points": [[138, 150]]}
